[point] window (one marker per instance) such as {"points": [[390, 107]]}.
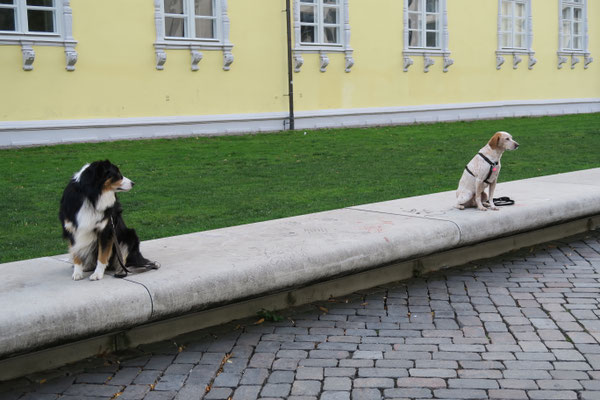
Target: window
{"points": [[515, 32], [513, 26], [320, 22], [571, 37], [322, 26], [194, 25], [426, 32], [37, 22], [424, 24], [573, 32], [194, 20]]}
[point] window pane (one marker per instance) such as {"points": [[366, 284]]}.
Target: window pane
{"points": [[432, 22], [507, 40], [174, 27], [431, 6], [578, 43], [414, 21], [6, 1], [40, 3], [7, 19], [506, 8], [205, 28], [413, 5], [507, 24], [330, 15], [331, 35], [330, 1], [307, 1], [577, 13], [174, 6], [432, 39], [566, 42], [566, 13], [520, 40], [40, 21], [307, 34], [307, 14], [414, 39], [566, 28], [577, 28], [520, 25], [204, 8], [519, 9]]}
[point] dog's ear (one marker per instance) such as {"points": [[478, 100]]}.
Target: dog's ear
{"points": [[495, 140]]}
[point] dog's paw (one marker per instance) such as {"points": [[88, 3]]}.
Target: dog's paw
{"points": [[482, 208], [77, 276], [494, 208], [459, 206], [96, 276]]}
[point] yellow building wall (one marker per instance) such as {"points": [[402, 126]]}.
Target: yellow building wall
{"points": [[115, 75], [377, 79]]}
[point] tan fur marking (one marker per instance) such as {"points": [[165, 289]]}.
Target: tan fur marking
{"points": [[109, 185], [77, 260], [104, 253], [495, 140]]}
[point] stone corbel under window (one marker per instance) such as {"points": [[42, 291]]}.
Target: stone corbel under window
{"points": [[516, 58], [427, 60], [563, 58], [195, 53], [28, 56], [324, 59]]}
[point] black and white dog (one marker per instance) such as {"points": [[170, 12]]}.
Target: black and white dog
{"points": [[90, 212]]}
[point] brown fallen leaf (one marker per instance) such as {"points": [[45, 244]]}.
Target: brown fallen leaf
{"points": [[365, 303], [260, 321], [42, 381], [116, 395], [323, 309]]}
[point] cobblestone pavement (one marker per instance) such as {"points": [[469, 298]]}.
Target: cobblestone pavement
{"points": [[522, 326]]}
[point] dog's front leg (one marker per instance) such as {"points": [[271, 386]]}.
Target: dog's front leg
{"points": [[77, 268], [479, 188], [491, 196], [104, 253]]}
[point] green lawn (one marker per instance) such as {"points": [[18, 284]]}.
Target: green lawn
{"points": [[194, 184]]}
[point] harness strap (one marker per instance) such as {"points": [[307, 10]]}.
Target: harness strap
{"points": [[492, 165]]}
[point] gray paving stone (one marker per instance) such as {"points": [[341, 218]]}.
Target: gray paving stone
{"points": [[460, 394], [306, 388], [335, 395], [246, 392], [276, 390], [366, 394]]}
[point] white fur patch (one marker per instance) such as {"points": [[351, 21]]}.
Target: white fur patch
{"points": [[77, 176]]}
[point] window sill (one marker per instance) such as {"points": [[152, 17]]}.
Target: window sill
{"points": [[427, 60], [516, 54], [26, 41], [323, 50], [574, 54], [194, 46]]}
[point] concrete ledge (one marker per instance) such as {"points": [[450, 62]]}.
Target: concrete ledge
{"points": [[216, 276]]}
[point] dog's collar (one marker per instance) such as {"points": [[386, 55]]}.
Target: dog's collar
{"points": [[493, 166]]}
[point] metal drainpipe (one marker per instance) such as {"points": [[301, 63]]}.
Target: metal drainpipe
{"points": [[289, 57]]}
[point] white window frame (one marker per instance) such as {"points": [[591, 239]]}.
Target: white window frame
{"points": [[319, 46], [62, 35], [220, 42], [564, 53], [515, 52], [427, 52]]}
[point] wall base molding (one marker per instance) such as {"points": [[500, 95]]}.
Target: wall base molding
{"points": [[38, 133]]}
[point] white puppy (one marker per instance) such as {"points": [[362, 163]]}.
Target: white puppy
{"points": [[482, 171]]}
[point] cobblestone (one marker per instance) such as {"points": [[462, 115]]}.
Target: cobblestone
{"points": [[520, 326]]}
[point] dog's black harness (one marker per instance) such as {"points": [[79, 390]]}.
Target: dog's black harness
{"points": [[499, 201], [493, 166], [150, 265]]}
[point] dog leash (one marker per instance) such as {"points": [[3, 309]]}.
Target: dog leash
{"points": [[493, 166], [152, 265]]}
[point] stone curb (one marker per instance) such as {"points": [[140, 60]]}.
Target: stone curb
{"points": [[203, 271]]}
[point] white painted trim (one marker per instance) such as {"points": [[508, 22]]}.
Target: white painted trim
{"points": [[320, 48], [35, 133]]}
